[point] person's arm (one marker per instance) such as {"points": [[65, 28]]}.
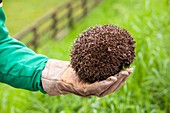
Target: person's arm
{"points": [[20, 67], [58, 77]]}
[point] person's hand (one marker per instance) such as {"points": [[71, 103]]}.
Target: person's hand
{"points": [[59, 78], [121, 80]]}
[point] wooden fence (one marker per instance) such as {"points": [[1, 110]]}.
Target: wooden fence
{"points": [[55, 24]]}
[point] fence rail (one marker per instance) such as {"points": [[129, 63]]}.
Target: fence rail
{"points": [[56, 23]]}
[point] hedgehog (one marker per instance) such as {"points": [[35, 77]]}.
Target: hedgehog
{"points": [[102, 51]]}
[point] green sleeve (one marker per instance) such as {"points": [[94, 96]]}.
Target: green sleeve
{"points": [[20, 67]]}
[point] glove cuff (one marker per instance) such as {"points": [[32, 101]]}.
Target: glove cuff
{"points": [[52, 73]]}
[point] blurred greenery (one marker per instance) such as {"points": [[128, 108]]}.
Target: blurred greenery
{"points": [[147, 89], [21, 14]]}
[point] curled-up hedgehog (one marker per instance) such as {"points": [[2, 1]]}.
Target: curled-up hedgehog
{"points": [[101, 52]]}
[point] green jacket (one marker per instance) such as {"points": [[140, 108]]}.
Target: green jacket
{"points": [[20, 67]]}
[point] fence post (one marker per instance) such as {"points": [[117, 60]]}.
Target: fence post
{"points": [[97, 2], [84, 6], [54, 25], [70, 18], [35, 38]]}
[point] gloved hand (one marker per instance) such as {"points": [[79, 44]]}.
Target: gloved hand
{"points": [[59, 78]]}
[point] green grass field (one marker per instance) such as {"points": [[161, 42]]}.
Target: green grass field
{"points": [[147, 89]]}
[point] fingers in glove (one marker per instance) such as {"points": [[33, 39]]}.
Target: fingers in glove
{"points": [[129, 70], [98, 87], [121, 76], [120, 85]]}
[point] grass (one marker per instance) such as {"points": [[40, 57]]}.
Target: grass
{"points": [[147, 89]]}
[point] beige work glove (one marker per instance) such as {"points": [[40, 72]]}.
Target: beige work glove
{"points": [[58, 78]]}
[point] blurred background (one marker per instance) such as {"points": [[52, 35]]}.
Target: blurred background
{"points": [[147, 90]]}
